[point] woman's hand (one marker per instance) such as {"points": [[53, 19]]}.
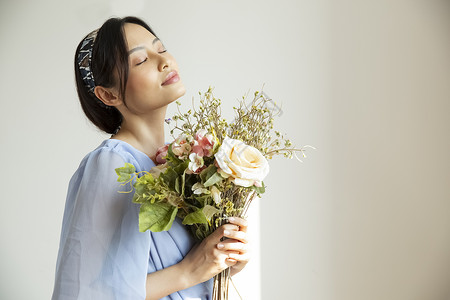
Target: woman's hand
{"points": [[205, 260], [237, 245], [212, 255]]}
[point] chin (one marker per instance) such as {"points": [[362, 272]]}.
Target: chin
{"points": [[179, 91]]}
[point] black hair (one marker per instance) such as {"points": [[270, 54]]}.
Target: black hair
{"points": [[109, 55]]}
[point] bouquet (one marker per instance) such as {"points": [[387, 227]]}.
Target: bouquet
{"points": [[211, 171]]}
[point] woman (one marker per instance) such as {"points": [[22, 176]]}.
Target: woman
{"points": [[125, 80]]}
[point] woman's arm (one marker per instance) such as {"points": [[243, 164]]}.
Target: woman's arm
{"points": [[205, 260], [166, 281], [102, 254]]}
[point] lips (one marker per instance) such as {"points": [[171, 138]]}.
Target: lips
{"points": [[172, 77]]}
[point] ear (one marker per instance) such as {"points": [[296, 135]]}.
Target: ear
{"points": [[109, 96]]}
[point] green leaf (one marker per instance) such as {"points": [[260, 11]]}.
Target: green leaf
{"points": [[144, 189], [197, 217], [181, 168], [215, 178], [183, 181], [171, 157], [177, 185], [210, 211], [259, 190], [208, 172], [189, 181], [200, 200], [202, 231], [157, 216], [169, 177], [124, 173], [146, 179]]}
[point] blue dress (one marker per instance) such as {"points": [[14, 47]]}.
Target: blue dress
{"points": [[102, 255]]}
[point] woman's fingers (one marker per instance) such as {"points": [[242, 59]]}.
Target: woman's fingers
{"points": [[229, 231], [237, 235], [230, 261], [233, 256], [230, 245], [236, 229], [242, 223], [244, 257], [225, 261], [219, 233]]}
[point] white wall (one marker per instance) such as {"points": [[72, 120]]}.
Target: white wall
{"points": [[391, 170], [366, 216]]}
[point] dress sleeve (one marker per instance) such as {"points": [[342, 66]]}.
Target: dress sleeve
{"points": [[102, 253]]}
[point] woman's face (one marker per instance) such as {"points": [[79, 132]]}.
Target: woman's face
{"points": [[153, 79]]}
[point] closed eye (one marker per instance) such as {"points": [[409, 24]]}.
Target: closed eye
{"points": [[142, 61]]}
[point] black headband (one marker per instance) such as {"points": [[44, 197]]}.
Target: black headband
{"points": [[84, 60]]}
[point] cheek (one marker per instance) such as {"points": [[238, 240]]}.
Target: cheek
{"points": [[140, 79], [141, 83]]}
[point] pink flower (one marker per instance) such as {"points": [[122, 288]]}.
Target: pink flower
{"points": [[176, 149], [181, 147], [204, 143], [197, 149], [181, 150], [161, 153], [200, 134]]}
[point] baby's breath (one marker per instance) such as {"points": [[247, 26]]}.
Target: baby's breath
{"points": [[253, 123]]}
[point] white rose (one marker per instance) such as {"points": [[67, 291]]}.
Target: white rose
{"points": [[245, 164]]}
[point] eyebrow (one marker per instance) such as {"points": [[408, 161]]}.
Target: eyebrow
{"points": [[142, 47]]}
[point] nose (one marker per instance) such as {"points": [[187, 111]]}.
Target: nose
{"points": [[164, 62]]}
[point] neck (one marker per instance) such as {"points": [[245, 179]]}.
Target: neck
{"points": [[144, 132]]}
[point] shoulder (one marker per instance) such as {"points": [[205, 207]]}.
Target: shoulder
{"points": [[116, 153], [102, 162]]}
